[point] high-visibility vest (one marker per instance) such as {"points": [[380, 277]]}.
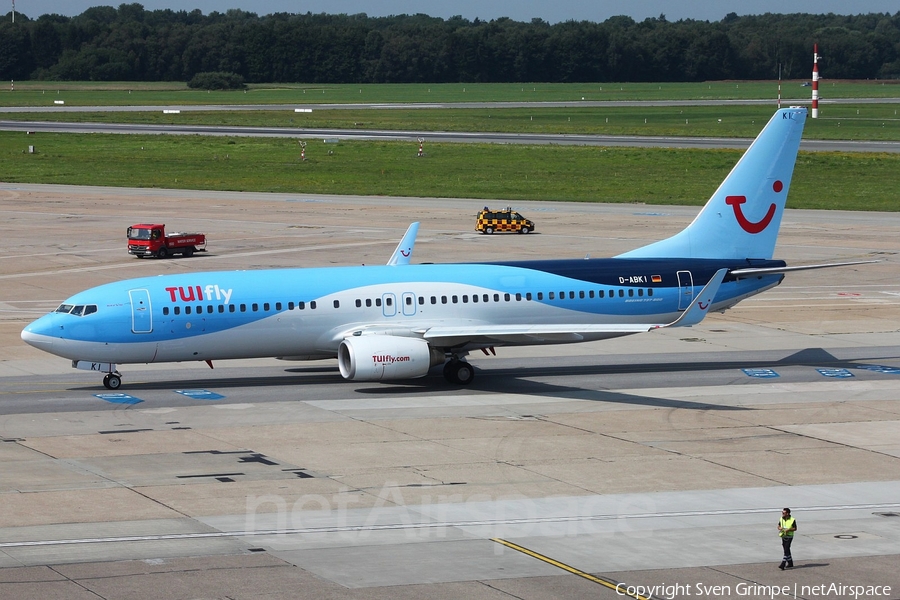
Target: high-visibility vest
{"points": [[786, 525]]}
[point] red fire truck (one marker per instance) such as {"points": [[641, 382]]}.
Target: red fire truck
{"points": [[151, 240]]}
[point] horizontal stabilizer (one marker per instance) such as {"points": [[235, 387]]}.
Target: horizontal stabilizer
{"points": [[773, 270]]}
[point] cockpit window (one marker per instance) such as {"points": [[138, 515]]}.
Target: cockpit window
{"points": [[79, 310]]}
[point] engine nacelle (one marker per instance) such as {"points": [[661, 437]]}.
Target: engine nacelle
{"points": [[383, 357]]}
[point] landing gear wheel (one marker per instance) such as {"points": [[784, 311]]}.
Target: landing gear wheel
{"points": [[162, 253], [112, 381], [188, 252], [489, 230], [459, 372]]}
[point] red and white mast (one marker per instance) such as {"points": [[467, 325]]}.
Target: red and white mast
{"points": [[815, 82]]}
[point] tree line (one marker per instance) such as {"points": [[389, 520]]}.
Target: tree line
{"points": [[130, 43]]}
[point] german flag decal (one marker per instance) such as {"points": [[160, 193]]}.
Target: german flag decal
{"points": [[656, 278]]}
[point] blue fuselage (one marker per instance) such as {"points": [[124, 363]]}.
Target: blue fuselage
{"points": [[305, 313]]}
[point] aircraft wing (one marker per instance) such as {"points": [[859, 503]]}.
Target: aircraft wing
{"points": [[486, 335], [403, 252]]}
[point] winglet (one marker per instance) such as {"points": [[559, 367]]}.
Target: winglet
{"points": [[698, 309], [403, 252]]}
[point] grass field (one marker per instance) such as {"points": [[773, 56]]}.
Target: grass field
{"points": [[848, 181], [44, 93]]}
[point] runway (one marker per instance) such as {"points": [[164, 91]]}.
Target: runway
{"points": [[632, 141], [653, 461]]}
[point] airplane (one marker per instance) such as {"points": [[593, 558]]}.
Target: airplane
{"points": [[400, 320]]}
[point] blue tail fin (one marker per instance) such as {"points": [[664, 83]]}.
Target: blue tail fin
{"points": [[742, 218]]}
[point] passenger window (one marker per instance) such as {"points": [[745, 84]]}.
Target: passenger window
{"points": [[254, 307], [434, 299], [221, 308], [650, 292], [389, 301], [165, 310], [421, 300], [290, 306], [474, 297], [409, 300], [518, 296], [454, 299], [571, 295], [368, 302], [621, 293], [301, 305], [485, 298], [496, 297], [600, 294], [266, 306], [630, 292], [312, 305], [278, 306], [581, 294], [640, 291], [231, 308], [337, 303], [551, 295], [528, 296], [358, 303], [177, 310], [506, 297], [187, 310], [465, 298], [443, 299]]}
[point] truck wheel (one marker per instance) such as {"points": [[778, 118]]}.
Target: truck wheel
{"points": [[524, 230], [489, 230], [162, 253], [188, 252]]}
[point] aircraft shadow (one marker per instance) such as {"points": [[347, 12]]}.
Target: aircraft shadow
{"points": [[517, 380]]}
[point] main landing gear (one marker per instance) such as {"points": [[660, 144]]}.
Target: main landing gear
{"points": [[112, 381], [459, 372]]}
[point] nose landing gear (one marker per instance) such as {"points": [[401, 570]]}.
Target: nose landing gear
{"points": [[112, 381]]}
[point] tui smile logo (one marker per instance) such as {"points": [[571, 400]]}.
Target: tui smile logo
{"points": [[745, 223]]}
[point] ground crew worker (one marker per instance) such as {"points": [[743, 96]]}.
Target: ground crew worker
{"points": [[787, 525]]}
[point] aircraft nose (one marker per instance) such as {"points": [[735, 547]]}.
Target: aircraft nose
{"points": [[37, 334]]}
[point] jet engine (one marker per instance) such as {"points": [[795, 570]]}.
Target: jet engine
{"points": [[383, 357]]}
